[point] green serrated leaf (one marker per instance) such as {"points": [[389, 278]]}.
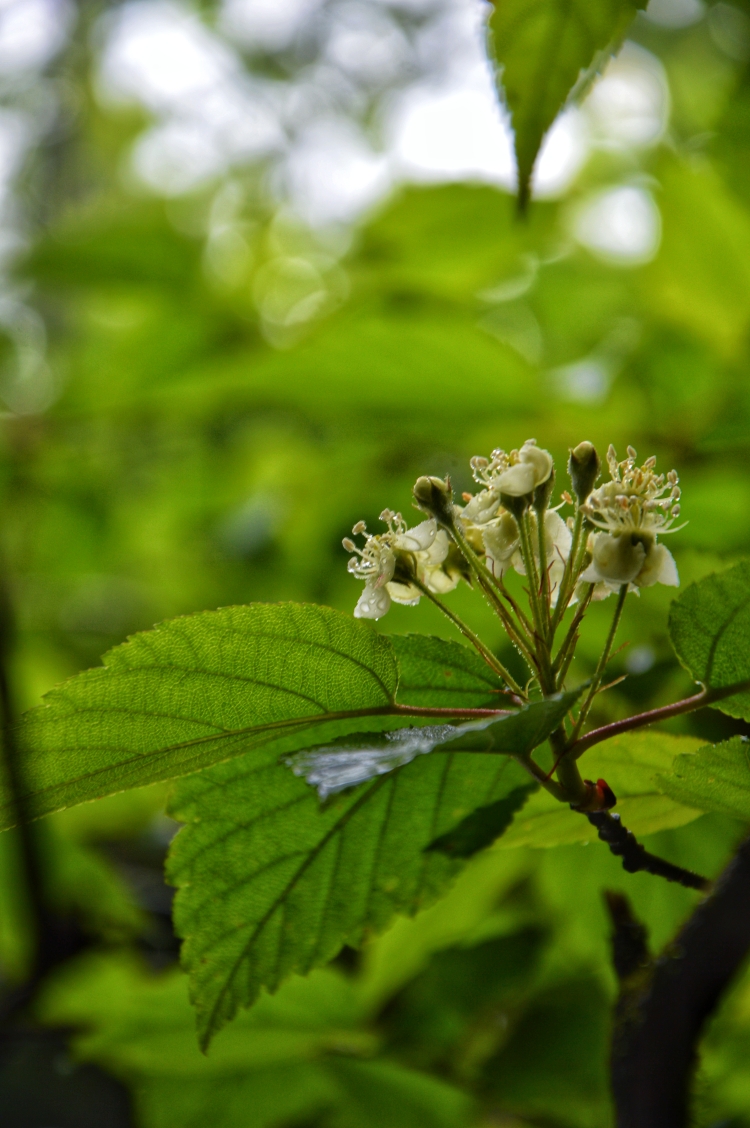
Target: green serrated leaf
{"points": [[709, 625], [631, 765], [544, 49], [439, 673], [716, 777], [198, 690], [271, 882]]}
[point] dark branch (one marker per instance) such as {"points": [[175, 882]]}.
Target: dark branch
{"points": [[29, 853], [661, 1011], [54, 938], [630, 953], [635, 858]]}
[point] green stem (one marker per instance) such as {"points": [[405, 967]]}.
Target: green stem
{"points": [[565, 653], [518, 610], [542, 778], [543, 572], [566, 769], [531, 574], [700, 700], [569, 573], [562, 672], [491, 589], [476, 642], [602, 664]]}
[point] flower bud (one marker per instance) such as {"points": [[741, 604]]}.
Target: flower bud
{"points": [[543, 493], [584, 465], [435, 496]]}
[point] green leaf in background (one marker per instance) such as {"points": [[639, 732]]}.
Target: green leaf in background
{"points": [[542, 46], [709, 625], [302, 1053], [200, 689], [630, 765], [271, 881], [715, 777]]}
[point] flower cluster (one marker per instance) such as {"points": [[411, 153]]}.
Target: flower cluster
{"points": [[498, 529], [633, 509]]}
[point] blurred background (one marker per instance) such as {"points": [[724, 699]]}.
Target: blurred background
{"points": [[260, 266]]}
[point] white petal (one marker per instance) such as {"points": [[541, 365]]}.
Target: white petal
{"points": [[539, 460], [659, 568], [482, 507], [404, 593], [439, 581], [501, 539], [555, 570], [518, 480], [517, 562], [419, 538], [386, 567], [616, 560], [437, 553], [557, 536], [373, 603]]}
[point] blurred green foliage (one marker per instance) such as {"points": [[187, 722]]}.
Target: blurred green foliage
{"points": [[224, 403]]}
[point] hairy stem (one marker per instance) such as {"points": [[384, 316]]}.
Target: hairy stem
{"points": [[566, 769], [653, 716], [531, 573], [567, 647], [494, 663], [493, 591], [544, 588], [542, 777], [596, 681], [516, 608], [569, 574]]}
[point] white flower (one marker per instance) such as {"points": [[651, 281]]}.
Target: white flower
{"points": [[431, 568], [503, 547], [636, 499], [518, 480], [517, 474], [375, 563], [614, 560], [633, 509]]}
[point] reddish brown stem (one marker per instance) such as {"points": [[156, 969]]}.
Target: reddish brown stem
{"points": [[652, 716]]}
